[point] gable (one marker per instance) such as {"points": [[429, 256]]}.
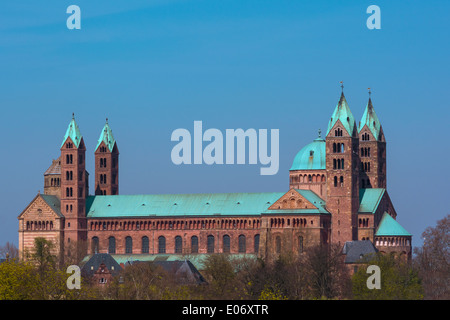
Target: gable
{"points": [[292, 200], [42, 207], [298, 201]]}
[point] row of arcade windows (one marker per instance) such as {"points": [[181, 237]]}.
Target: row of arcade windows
{"points": [[178, 247]]}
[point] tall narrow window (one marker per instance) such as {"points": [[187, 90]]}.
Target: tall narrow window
{"points": [[194, 244], [161, 244], [112, 245], [178, 244], [128, 245], [94, 243], [210, 244], [242, 244], [226, 243], [256, 243], [335, 181], [145, 244]]}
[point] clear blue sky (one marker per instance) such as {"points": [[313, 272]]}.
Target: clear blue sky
{"points": [[154, 66]]}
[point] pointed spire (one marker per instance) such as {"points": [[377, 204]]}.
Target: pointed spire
{"points": [[73, 132], [370, 119], [342, 112], [107, 137]]}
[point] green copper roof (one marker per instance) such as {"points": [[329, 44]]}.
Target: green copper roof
{"points": [[73, 132], [311, 156], [107, 137], [342, 113], [370, 119], [369, 199], [390, 227], [176, 205]]}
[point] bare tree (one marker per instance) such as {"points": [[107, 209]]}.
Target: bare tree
{"points": [[433, 261], [9, 250]]}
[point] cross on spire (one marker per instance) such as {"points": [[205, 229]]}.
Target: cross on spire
{"points": [[342, 85]]}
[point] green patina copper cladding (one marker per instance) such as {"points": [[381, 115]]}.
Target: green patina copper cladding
{"points": [[311, 156], [344, 115], [369, 199], [390, 227], [73, 132], [107, 137], [370, 119], [179, 205]]}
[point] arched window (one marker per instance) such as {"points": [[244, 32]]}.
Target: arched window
{"points": [[178, 244], [342, 148], [112, 245], [334, 164], [145, 244], [256, 243], [161, 244], [242, 244], [210, 244], [226, 244], [335, 181], [341, 181], [94, 245], [194, 244], [334, 147], [278, 244], [128, 245], [300, 244], [342, 163]]}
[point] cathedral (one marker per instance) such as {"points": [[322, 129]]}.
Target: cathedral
{"points": [[337, 194]]}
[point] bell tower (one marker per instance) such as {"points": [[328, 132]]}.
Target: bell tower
{"points": [[342, 172], [372, 145], [106, 163], [73, 190]]}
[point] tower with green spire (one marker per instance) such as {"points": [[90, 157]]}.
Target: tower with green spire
{"points": [[342, 172], [106, 163], [73, 191], [372, 145]]}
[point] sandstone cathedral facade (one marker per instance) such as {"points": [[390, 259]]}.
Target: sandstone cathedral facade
{"points": [[337, 194]]}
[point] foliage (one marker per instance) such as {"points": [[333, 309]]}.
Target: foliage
{"points": [[38, 278], [399, 281], [17, 280]]}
